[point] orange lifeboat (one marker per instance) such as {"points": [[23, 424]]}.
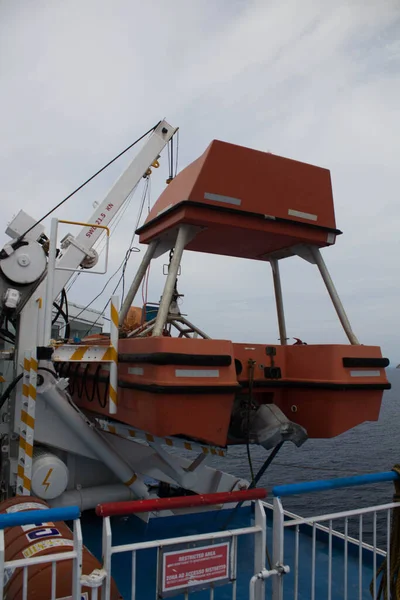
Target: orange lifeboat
{"points": [[238, 202]]}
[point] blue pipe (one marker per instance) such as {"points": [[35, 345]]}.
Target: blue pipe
{"points": [[330, 484], [37, 517]]}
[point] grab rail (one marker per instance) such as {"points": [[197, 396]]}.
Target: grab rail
{"points": [[153, 504], [308, 487], [37, 517]]}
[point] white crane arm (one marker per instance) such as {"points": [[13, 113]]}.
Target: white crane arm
{"points": [[111, 205], [29, 337]]}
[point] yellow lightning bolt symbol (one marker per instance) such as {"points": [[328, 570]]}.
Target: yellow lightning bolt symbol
{"points": [[46, 482]]}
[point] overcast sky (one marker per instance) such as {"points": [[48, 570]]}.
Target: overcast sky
{"points": [[313, 80]]}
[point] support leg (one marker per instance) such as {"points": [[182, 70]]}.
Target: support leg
{"points": [[279, 301], [181, 241], [334, 295], [137, 281]]}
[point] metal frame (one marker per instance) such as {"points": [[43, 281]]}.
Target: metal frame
{"points": [[174, 320], [73, 242], [133, 433], [186, 477], [52, 267]]}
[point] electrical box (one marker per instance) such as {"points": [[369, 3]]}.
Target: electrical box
{"points": [[21, 223]]}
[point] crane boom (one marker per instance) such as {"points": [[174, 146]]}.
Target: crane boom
{"points": [[111, 205], [27, 335]]}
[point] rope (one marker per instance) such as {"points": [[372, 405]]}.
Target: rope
{"points": [[110, 162], [394, 582]]}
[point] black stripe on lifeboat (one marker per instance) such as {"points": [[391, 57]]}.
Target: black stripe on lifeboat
{"points": [[317, 385], [374, 363], [171, 358]]}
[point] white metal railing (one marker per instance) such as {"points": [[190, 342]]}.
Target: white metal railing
{"points": [[336, 569], [316, 570], [306, 562], [200, 545]]}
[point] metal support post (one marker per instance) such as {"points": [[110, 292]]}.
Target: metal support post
{"points": [[137, 281], [114, 335], [27, 424], [107, 554], [277, 547], [2, 561], [260, 544], [279, 300], [181, 241], [77, 564], [24, 446], [334, 295], [51, 267]]}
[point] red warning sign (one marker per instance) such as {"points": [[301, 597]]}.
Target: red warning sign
{"points": [[195, 567]]}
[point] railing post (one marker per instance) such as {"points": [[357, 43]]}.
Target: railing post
{"points": [[107, 542], [277, 548], [260, 545], [2, 557], [77, 564]]}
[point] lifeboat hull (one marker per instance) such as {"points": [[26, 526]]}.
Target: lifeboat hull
{"points": [[167, 386], [191, 387], [327, 389]]}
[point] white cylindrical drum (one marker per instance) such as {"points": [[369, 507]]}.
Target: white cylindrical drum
{"points": [[49, 475]]}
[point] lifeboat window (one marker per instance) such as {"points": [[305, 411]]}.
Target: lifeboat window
{"points": [[238, 366]]}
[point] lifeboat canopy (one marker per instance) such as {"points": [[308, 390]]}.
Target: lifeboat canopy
{"points": [[245, 203]]}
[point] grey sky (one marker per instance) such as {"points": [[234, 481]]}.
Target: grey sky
{"points": [[311, 80]]}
